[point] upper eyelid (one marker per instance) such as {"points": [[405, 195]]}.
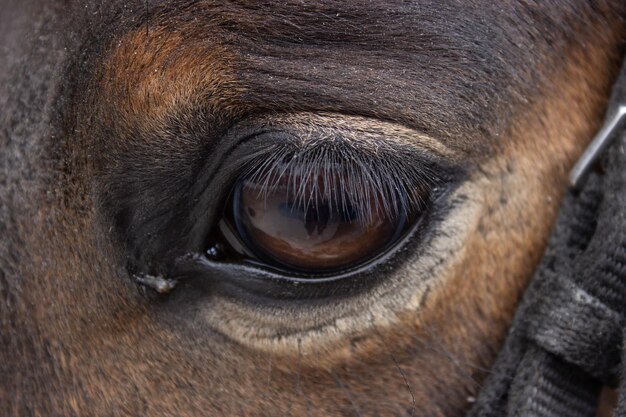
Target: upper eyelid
{"points": [[359, 130]]}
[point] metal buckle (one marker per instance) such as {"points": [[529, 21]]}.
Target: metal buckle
{"points": [[597, 147]]}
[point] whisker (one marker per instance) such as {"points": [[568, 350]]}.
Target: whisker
{"points": [[268, 391], [298, 379], [406, 381], [397, 365]]}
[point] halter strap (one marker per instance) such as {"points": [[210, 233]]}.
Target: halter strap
{"points": [[568, 332]]}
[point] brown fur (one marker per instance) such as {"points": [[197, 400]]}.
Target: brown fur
{"points": [[90, 344], [150, 77]]}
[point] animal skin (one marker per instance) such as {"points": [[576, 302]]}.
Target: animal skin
{"points": [[115, 121]]}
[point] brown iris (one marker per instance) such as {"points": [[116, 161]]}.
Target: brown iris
{"points": [[307, 226]]}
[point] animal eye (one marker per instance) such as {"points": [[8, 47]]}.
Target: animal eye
{"points": [[322, 210], [308, 223]]}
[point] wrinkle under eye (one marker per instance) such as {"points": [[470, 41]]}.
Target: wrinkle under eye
{"points": [[321, 232]]}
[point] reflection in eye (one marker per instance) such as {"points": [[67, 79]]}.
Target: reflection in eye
{"points": [[303, 223], [318, 210]]}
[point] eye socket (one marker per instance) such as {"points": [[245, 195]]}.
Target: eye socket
{"points": [[303, 223], [278, 213]]}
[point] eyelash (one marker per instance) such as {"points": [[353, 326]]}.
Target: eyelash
{"points": [[365, 183]]}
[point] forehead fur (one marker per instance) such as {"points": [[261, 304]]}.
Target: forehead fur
{"points": [[454, 70]]}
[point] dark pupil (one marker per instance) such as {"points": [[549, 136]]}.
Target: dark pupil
{"points": [[309, 234], [316, 218]]}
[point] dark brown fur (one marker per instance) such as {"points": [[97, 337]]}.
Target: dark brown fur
{"points": [[512, 90]]}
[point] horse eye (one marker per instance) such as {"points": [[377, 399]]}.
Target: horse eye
{"points": [[308, 224]]}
